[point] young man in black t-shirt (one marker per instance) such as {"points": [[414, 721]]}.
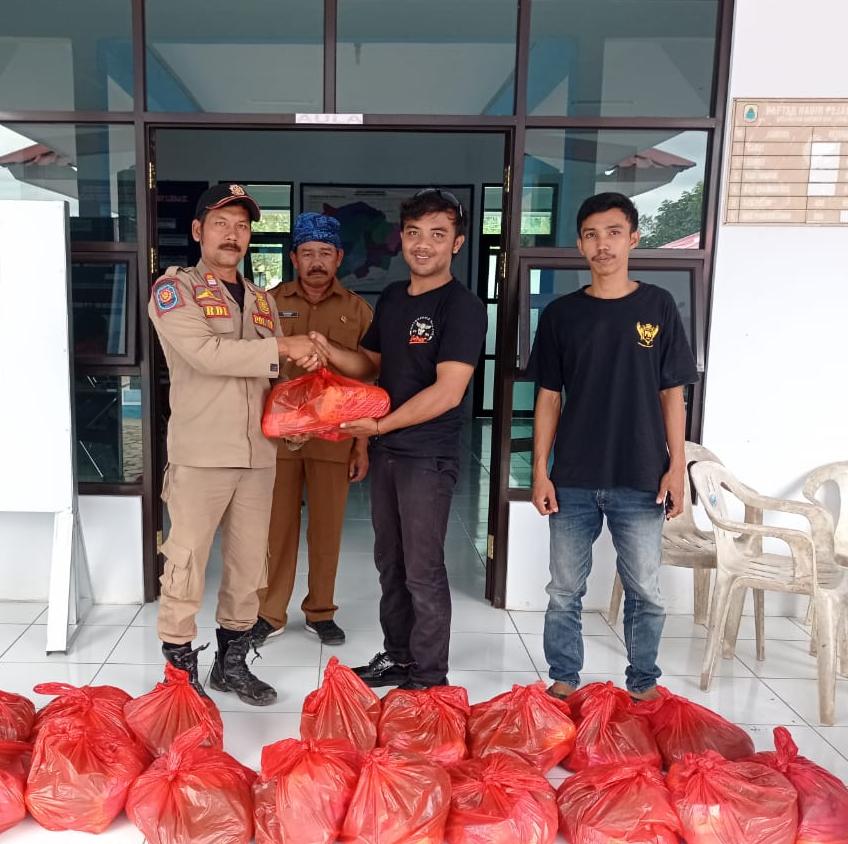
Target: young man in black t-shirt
{"points": [[618, 351], [425, 341]]}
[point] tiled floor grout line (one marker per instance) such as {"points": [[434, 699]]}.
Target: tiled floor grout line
{"points": [[22, 633], [114, 647]]}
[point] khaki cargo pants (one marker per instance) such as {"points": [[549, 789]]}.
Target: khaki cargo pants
{"points": [[199, 499]]}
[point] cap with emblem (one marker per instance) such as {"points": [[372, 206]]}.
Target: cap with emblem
{"points": [[225, 194], [322, 228]]}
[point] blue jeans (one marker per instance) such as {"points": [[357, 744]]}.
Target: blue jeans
{"points": [[635, 522]]}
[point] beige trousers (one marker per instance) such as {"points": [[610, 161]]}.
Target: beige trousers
{"points": [[200, 499]]}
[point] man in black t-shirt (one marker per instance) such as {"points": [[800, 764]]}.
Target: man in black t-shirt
{"points": [[618, 350], [425, 341]]}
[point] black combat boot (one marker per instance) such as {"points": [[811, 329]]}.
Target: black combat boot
{"points": [[184, 658], [231, 674]]}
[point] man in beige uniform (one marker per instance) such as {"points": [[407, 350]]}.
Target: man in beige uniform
{"points": [[316, 301], [223, 342]]}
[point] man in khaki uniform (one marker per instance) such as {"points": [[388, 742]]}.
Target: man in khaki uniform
{"points": [[316, 301], [223, 342]]}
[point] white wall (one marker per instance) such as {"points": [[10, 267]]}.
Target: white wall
{"points": [[776, 393], [113, 536], [776, 398]]}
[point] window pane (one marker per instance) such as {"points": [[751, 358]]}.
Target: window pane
{"points": [[91, 167], [662, 171], [251, 56], [448, 57], [99, 297], [521, 440], [108, 428], [66, 56], [593, 57]]}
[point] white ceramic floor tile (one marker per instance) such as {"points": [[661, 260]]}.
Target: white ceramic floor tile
{"points": [[686, 656], [601, 654], [135, 680], [246, 733], [358, 649], [743, 700], [20, 677], [292, 685], [484, 685], [141, 646], [837, 737], [803, 697], [21, 612], [784, 660], [359, 615], [489, 652], [9, 634], [810, 744], [91, 644], [109, 614], [295, 647], [479, 617], [29, 832]]}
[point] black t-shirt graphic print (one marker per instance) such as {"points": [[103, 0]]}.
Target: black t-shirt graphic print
{"points": [[612, 357], [413, 334]]}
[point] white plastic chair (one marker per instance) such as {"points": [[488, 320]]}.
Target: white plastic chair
{"points": [[808, 569], [686, 545]]}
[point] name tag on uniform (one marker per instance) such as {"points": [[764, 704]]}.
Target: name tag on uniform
{"points": [[289, 313], [216, 311]]}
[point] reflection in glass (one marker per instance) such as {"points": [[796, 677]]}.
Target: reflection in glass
{"points": [[662, 171], [445, 57], [90, 167], [594, 57], [538, 205], [108, 428], [57, 55], [250, 56], [99, 297]]}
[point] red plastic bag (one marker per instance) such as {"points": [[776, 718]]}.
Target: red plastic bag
{"points": [[822, 797], [343, 708], [526, 721], [80, 774], [304, 790], [193, 793], [500, 799], [173, 707], [724, 802], [681, 726], [318, 402], [14, 764], [17, 717], [400, 798], [101, 707], [430, 722], [610, 730], [614, 804]]}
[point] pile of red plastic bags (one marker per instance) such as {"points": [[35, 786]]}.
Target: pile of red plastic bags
{"points": [[414, 768]]}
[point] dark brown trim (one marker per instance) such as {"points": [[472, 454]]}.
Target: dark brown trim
{"points": [[93, 488], [100, 248], [693, 123], [105, 370], [67, 116], [507, 324], [331, 10]]}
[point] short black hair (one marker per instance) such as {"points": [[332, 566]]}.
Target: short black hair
{"points": [[432, 201], [601, 202]]}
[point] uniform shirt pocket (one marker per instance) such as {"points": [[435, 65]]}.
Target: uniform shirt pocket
{"points": [[344, 335]]}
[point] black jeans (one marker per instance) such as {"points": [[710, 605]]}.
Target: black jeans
{"points": [[410, 506]]}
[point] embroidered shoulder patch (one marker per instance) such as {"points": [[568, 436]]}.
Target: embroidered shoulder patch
{"points": [[216, 311], [166, 296], [262, 304], [205, 294], [264, 321]]}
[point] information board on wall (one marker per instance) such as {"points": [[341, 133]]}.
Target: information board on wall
{"points": [[788, 163]]}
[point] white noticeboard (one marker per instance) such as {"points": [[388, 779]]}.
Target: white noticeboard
{"points": [[37, 471]]}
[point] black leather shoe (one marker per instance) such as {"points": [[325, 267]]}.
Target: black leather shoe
{"points": [[383, 671], [415, 686], [262, 631], [185, 658], [327, 631], [231, 674]]}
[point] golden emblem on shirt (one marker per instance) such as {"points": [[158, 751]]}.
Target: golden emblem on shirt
{"points": [[647, 334]]}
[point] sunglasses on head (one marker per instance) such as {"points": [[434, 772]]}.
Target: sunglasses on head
{"points": [[443, 194]]}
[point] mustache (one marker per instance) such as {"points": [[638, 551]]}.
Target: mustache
{"points": [[317, 271]]}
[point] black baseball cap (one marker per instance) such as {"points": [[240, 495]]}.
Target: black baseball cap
{"points": [[224, 194]]}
